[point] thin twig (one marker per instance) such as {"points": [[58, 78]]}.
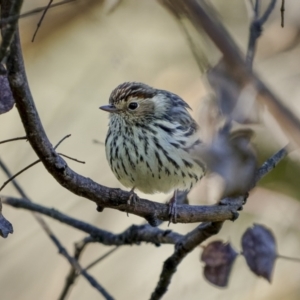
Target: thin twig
{"points": [[282, 10], [14, 139], [65, 137], [31, 12], [18, 173], [72, 276], [80, 270], [256, 8], [69, 157], [105, 255], [268, 11], [295, 259], [14, 182], [256, 28], [41, 20], [29, 166]]}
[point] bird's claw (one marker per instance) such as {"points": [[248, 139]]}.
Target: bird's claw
{"points": [[133, 199], [172, 212]]}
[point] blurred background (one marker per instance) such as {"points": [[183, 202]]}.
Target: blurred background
{"points": [[82, 51]]}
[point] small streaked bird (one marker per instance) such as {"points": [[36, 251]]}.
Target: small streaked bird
{"points": [[149, 138]]}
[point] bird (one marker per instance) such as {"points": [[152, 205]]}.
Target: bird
{"points": [[150, 135]]}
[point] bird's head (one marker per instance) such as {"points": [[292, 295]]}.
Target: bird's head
{"points": [[135, 101]]}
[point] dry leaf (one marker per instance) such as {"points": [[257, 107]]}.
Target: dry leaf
{"points": [[219, 258], [259, 250]]}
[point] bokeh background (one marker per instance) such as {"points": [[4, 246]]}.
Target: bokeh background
{"points": [[85, 49]]}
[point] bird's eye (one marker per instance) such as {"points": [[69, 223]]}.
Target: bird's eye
{"points": [[133, 105]]}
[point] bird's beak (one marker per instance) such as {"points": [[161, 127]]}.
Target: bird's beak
{"points": [[109, 108]]}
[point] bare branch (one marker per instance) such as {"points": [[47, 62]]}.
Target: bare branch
{"points": [[18, 173], [71, 158], [270, 164], [13, 18], [31, 165], [14, 139], [102, 257], [80, 270], [294, 259], [182, 248], [65, 137], [41, 20], [8, 8], [72, 276], [256, 29], [133, 235]]}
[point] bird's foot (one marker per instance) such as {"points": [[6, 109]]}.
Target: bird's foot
{"points": [[173, 209], [172, 213], [133, 199]]}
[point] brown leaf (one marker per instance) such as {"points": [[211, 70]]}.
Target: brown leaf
{"points": [[219, 258], [6, 98], [5, 226], [259, 250]]}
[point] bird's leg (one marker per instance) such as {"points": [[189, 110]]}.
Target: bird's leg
{"points": [[173, 208], [133, 198]]}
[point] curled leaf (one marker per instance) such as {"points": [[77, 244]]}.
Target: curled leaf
{"points": [[259, 250], [218, 258]]}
